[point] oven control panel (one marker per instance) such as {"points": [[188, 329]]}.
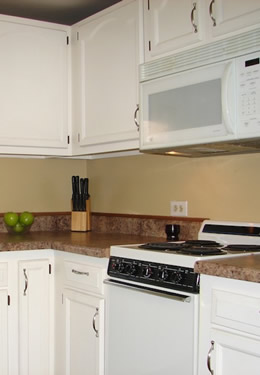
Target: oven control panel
{"points": [[162, 275]]}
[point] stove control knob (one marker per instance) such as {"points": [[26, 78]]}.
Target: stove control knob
{"points": [[177, 277], [164, 274], [134, 270], [116, 266], [146, 271], [127, 268]]}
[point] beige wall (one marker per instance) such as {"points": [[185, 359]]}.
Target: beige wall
{"points": [[37, 185], [223, 187]]}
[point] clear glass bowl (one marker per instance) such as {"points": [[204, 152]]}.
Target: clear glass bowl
{"points": [[21, 229]]}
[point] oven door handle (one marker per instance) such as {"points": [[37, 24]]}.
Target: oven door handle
{"points": [[143, 289]]}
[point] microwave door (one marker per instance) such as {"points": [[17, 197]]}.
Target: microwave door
{"points": [[188, 108]]}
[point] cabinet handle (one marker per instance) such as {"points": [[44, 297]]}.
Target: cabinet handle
{"points": [[135, 117], [209, 358], [192, 18], [25, 282], [211, 12], [94, 322], [80, 272]]}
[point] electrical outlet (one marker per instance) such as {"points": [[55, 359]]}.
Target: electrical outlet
{"points": [[179, 208]]}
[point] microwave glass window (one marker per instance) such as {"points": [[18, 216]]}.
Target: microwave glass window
{"points": [[187, 107]]}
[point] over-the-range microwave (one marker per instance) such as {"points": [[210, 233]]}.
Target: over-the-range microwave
{"points": [[204, 101]]}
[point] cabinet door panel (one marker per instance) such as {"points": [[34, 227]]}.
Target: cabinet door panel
{"points": [[109, 75], [33, 91], [84, 349], [34, 317], [168, 25], [234, 354], [233, 15], [3, 333]]}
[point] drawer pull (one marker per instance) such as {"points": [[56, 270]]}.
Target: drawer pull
{"points": [[94, 323], [25, 282], [80, 272], [209, 357]]}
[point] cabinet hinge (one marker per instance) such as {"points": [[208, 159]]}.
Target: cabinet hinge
{"points": [[77, 35], [68, 140], [78, 137], [8, 300], [68, 40], [62, 298], [49, 269], [148, 4], [150, 47]]}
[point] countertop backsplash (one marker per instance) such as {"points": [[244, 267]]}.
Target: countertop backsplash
{"points": [[153, 226]]}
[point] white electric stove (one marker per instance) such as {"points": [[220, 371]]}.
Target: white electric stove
{"points": [[152, 303]]}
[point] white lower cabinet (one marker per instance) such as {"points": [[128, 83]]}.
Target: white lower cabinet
{"points": [[51, 313], [84, 316], [233, 354], [4, 332], [3, 319], [34, 317], [80, 314], [229, 327], [26, 324]]}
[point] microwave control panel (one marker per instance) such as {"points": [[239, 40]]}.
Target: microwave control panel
{"points": [[249, 93]]}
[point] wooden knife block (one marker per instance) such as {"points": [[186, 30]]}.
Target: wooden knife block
{"points": [[81, 220]]}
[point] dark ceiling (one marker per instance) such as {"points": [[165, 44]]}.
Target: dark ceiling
{"points": [[65, 12]]}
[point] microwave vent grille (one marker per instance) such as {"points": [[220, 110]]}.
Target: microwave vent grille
{"points": [[193, 58]]}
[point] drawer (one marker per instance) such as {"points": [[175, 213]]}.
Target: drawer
{"points": [[237, 311], [84, 276], [3, 274]]}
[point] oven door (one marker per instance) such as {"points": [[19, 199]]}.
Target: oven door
{"points": [[149, 331]]}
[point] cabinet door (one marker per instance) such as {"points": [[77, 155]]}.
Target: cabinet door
{"points": [[233, 354], [84, 316], [34, 88], [170, 25], [108, 80], [230, 15], [3, 332], [34, 317]]}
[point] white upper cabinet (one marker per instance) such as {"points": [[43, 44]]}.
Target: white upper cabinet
{"points": [[105, 73], [229, 16], [34, 87], [170, 25]]}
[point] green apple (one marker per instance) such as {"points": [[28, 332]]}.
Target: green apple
{"points": [[11, 219], [26, 218], [18, 228]]}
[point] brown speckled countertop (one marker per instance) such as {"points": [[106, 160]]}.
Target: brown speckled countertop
{"points": [[245, 267], [86, 243]]}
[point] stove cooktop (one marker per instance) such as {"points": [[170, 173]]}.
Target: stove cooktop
{"points": [[199, 247], [215, 239]]}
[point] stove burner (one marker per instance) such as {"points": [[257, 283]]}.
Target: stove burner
{"points": [[201, 243], [191, 247], [161, 246], [202, 251], [242, 248]]}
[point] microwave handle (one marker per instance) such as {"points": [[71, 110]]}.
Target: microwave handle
{"points": [[226, 81]]}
